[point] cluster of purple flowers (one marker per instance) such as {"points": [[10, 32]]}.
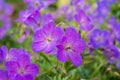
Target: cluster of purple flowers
{"points": [[66, 44], [32, 16], [18, 65], [90, 20], [52, 39], [6, 11]]}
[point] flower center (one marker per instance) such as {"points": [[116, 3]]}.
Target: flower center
{"points": [[48, 39], [112, 58], [36, 4], [8, 57], [21, 71], [98, 39], [68, 47]]}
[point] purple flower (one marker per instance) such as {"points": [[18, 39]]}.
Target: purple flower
{"points": [[12, 54], [5, 11], [5, 24], [112, 54], [99, 38], [48, 2], [103, 9], [117, 33], [78, 3], [8, 9], [46, 38], [5, 8], [112, 24], [70, 47], [101, 13], [47, 17], [3, 74], [83, 20], [22, 69], [23, 15], [30, 18], [35, 4], [9, 55], [1, 4], [66, 12], [38, 4], [114, 28], [108, 2]]}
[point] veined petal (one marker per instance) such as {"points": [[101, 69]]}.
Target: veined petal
{"points": [[24, 60], [75, 58], [32, 69], [61, 54], [38, 46], [57, 34]]}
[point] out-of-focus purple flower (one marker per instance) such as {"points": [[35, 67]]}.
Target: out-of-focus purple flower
{"points": [[24, 36], [5, 11], [108, 2], [1, 4], [83, 20], [103, 9], [78, 3], [46, 38], [117, 33], [101, 13], [88, 9], [3, 74], [23, 15], [99, 38], [38, 4], [66, 12], [5, 8], [114, 28], [35, 4], [12, 54], [8, 9], [2, 33], [112, 54], [112, 24], [5, 24], [9, 55], [34, 20], [70, 47], [22, 69], [48, 2], [47, 17], [30, 18]]}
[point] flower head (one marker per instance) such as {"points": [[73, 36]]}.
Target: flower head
{"points": [[83, 20], [99, 38], [46, 38], [22, 69], [12, 54], [71, 46], [112, 54]]}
